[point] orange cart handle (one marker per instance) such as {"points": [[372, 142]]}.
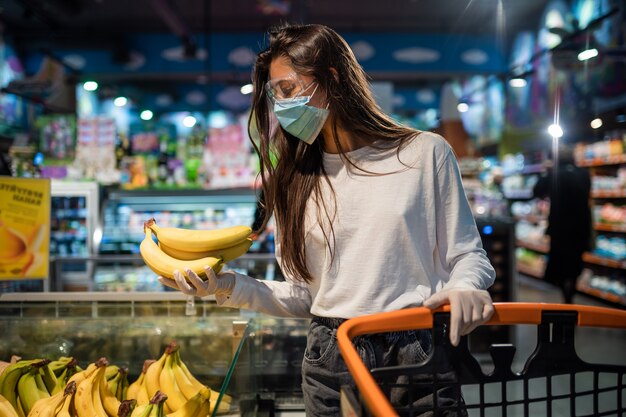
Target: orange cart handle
{"points": [[422, 318]]}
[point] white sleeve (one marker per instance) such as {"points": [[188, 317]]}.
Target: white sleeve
{"points": [[458, 241], [289, 298]]}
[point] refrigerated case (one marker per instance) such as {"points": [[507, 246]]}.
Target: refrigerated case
{"points": [[75, 210], [253, 358]]}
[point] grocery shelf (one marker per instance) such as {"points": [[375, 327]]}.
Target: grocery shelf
{"points": [[608, 194], [600, 260], [603, 295], [604, 227], [531, 272], [531, 218], [607, 160], [542, 247]]}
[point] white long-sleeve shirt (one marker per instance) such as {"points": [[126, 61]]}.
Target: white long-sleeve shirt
{"points": [[399, 238]]}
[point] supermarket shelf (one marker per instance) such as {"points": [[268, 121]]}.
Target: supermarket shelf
{"points": [[519, 194], [608, 194], [602, 295], [531, 272], [542, 247], [599, 260], [610, 227], [608, 160], [531, 218]]}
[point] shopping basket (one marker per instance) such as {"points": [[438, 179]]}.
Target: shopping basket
{"points": [[554, 380]]}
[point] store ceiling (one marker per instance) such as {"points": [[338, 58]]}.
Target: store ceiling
{"points": [[43, 22]]}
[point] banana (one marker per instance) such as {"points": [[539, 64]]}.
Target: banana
{"points": [[197, 406], [186, 386], [138, 385], [69, 392], [9, 380], [50, 380], [47, 407], [158, 404], [109, 401], [227, 254], [60, 364], [167, 383], [199, 240], [226, 399], [164, 265], [29, 391], [121, 387], [13, 244], [111, 372], [6, 409], [87, 401]]}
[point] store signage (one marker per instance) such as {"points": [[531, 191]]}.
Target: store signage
{"points": [[24, 228]]}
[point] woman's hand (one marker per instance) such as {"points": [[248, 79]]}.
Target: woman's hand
{"points": [[468, 309], [221, 284]]}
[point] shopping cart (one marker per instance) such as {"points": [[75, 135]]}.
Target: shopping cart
{"points": [[554, 380]]}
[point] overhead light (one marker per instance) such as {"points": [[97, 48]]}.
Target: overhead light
{"points": [[555, 131], [146, 115], [247, 89], [189, 121], [90, 85], [596, 123], [517, 82], [587, 54], [120, 101], [462, 107]]}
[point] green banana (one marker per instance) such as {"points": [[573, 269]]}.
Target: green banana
{"points": [[50, 380], [28, 390], [9, 380]]}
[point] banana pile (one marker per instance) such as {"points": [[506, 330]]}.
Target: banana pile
{"points": [[178, 249], [60, 388]]}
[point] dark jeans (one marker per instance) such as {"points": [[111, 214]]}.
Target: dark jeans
{"points": [[324, 370]]}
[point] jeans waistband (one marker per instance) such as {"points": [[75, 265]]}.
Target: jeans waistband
{"points": [[329, 322]]}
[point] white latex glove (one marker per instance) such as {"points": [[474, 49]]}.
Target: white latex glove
{"points": [[215, 284], [468, 309]]}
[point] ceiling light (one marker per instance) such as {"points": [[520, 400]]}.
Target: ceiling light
{"points": [[247, 89], [587, 54], [90, 85], [462, 107], [596, 123], [189, 121], [517, 82], [120, 101], [146, 115], [555, 131]]}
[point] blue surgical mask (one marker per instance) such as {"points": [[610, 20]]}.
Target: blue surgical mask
{"points": [[299, 119]]}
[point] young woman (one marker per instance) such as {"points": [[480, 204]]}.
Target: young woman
{"points": [[370, 215]]}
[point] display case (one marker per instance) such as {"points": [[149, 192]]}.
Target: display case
{"points": [[250, 359]]}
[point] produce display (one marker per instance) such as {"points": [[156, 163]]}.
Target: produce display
{"points": [[60, 388], [178, 248]]}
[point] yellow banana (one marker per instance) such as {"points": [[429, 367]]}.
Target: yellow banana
{"points": [[199, 240], [197, 406], [111, 371], [186, 386], [109, 401], [164, 265], [227, 254], [12, 244], [226, 399], [167, 383], [47, 407], [138, 385], [6, 409], [69, 392], [87, 402]]}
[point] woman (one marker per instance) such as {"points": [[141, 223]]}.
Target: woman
{"points": [[370, 215]]}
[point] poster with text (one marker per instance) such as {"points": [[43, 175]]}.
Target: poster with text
{"points": [[24, 228]]}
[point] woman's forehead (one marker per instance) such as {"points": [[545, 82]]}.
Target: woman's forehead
{"points": [[280, 67]]}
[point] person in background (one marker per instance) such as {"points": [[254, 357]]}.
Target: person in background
{"points": [[569, 220], [370, 216]]}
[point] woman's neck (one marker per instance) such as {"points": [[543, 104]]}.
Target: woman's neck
{"points": [[347, 140]]}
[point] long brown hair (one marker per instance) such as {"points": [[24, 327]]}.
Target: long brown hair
{"points": [[291, 170]]}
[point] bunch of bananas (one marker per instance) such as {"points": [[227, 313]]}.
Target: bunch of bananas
{"points": [[25, 382], [170, 375], [178, 249]]}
